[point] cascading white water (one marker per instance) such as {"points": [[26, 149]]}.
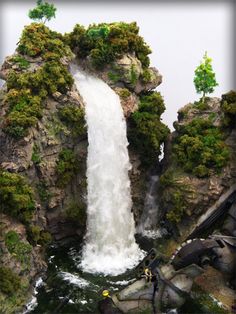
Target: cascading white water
{"points": [[148, 221], [110, 246]]}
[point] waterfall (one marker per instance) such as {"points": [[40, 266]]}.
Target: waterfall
{"points": [[110, 246], [149, 218]]}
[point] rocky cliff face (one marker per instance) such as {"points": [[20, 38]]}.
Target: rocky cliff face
{"points": [[51, 158], [43, 142], [199, 163]]}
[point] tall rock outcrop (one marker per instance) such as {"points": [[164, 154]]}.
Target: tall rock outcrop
{"points": [[43, 139], [199, 164]]}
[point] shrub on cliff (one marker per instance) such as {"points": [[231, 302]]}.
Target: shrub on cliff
{"points": [[48, 79], [37, 40], [173, 195], [228, 106], [104, 43], [200, 148], [27, 92], [67, 167], [19, 249], [77, 212], [10, 282], [146, 131], [16, 196], [37, 235], [73, 117], [21, 62]]}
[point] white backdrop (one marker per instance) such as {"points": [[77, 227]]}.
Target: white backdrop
{"points": [[178, 33]]}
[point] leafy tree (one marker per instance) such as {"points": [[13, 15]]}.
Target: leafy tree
{"points": [[44, 10], [204, 79]]}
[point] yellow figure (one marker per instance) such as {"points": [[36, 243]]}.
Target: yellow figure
{"points": [[105, 294]]}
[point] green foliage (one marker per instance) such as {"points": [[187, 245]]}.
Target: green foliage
{"points": [[22, 62], [73, 117], [76, 211], [133, 75], [48, 79], [204, 79], [200, 148], [38, 40], [43, 192], [146, 131], [27, 92], [124, 93], [178, 209], [44, 10], [173, 193], [228, 106], [24, 108], [146, 76], [104, 43], [36, 158], [98, 32], [67, 167], [114, 76], [19, 249], [167, 180], [37, 235], [153, 103], [16, 196], [10, 282], [201, 105]]}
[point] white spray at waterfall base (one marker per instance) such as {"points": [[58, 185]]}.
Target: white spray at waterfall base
{"points": [[110, 246]]}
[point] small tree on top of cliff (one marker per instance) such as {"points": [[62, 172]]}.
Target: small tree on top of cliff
{"points": [[43, 12], [204, 79]]}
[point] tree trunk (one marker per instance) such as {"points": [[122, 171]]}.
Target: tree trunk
{"points": [[203, 97]]}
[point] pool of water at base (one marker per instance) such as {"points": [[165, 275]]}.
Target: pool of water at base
{"points": [[64, 279]]}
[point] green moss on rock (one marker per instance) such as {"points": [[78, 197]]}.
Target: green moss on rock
{"points": [[104, 43], [146, 76], [37, 235], [20, 61], [19, 249], [228, 106], [43, 192], [10, 281], [73, 117], [36, 158], [77, 212], [16, 196], [124, 93], [173, 193], [27, 92], [114, 76], [200, 148], [66, 167], [38, 40], [146, 131]]}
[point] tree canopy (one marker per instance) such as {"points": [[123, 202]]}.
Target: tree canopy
{"points": [[204, 79], [43, 12]]}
